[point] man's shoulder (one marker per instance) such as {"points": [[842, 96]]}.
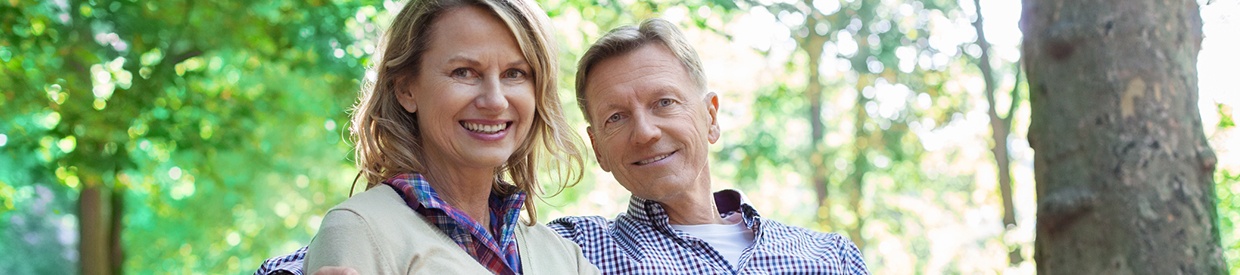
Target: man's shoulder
{"points": [[574, 225], [838, 253], [824, 240], [582, 228]]}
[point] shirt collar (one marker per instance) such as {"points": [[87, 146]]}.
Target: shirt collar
{"points": [[726, 201], [499, 237], [731, 200], [418, 192]]}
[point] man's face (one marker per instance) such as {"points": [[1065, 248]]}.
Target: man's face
{"points": [[650, 124]]}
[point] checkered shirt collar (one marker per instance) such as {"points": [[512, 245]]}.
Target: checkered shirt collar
{"points": [[727, 201], [504, 210]]}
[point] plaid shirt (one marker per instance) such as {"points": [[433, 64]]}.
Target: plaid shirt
{"points": [[499, 256], [290, 264], [641, 241]]}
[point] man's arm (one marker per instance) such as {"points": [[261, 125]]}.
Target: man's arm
{"points": [[284, 264], [291, 264], [851, 255]]}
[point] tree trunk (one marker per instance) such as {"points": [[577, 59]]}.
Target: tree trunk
{"points": [[93, 218], [1124, 174], [812, 45], [100, 210], [1000, 128], [856, 178], [116, 252]]}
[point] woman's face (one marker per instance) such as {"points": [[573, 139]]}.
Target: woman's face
{"points": [[474, 91]]}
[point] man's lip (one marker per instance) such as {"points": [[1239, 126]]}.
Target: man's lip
{"points": [[663, 156]]}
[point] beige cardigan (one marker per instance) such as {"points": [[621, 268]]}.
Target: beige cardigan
{"points": [[376, 233]]}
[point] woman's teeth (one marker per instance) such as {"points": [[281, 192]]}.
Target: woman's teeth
{"points": [[484, 128]]}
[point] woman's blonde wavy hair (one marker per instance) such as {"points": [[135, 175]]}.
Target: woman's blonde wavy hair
{"points": [[387, 139]]}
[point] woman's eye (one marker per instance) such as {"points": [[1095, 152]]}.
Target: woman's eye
{"points": [[514, 73], [665, 102], [462, 72]]}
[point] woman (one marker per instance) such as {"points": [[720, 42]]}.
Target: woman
{"points": [[462, 110]]}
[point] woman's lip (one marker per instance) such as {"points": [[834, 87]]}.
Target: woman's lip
{"points": [[487, 121], [483, 123], [485, 127]]}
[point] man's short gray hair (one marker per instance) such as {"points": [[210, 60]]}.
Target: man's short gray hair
{"points": [[625, 39]]}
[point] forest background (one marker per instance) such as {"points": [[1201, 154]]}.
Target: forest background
{"points": [[205, 136]]}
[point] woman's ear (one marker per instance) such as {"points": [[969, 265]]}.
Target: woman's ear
{"points": [[405, 96]]}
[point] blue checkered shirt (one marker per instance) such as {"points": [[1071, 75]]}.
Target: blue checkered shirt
{"points": [[284, 265], [641, 241]]}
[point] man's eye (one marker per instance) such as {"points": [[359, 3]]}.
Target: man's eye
{"points": [[614, 118], [665, 102]]}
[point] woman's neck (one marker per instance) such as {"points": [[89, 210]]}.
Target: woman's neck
{"points": [[468, 191]]}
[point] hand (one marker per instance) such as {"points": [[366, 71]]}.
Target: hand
{"points": [[335, 270]]}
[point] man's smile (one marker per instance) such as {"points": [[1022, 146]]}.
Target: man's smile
{"points": [[654, 159]]}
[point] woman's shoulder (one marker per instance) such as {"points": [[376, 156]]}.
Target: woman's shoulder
{"points": [[536, 230], [548, 253], [372, 210], [372, 231], [377, 198], [541, 235]]}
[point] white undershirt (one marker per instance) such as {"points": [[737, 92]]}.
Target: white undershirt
{"points": [[730, 239]]}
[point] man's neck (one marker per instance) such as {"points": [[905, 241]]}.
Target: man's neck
{"points": [[692, 209]]}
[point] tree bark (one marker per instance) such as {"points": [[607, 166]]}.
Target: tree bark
{"points": [[1123, 170], [116, 252], [94, 211]]}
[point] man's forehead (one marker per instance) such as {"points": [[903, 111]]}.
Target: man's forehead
{"points": [[617, 98], [636, 71]]}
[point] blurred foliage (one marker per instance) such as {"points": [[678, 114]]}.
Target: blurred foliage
{"points": [[218, 122], [1227, 190], [221, 124]]}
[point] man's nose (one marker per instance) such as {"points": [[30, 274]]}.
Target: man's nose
{"points": [[645, 130]]}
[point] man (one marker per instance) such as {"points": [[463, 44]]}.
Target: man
{"points": [[643, 92]]}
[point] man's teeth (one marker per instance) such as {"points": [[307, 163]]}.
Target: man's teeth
{"points": [[484, 128], [654, 159]]}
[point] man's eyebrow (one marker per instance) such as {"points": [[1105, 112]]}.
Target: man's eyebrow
{"points": [[665, 90], [607, 107]]}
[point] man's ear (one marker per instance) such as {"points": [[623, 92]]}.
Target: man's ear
{"points": [[405, 96], [712, 109], [594, 146]]}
